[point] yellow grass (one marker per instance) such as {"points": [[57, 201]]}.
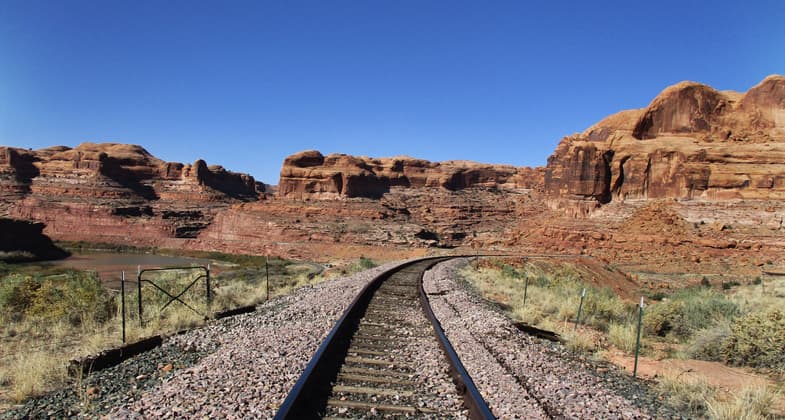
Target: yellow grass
{"points": [[25, 372]]}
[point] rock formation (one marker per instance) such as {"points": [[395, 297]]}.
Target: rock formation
{"points": [[309, 174], [115, 192], [691, 142], [693, 183]]}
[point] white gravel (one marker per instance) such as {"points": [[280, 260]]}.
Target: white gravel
{"points": [[258, 358], [523, 377]]}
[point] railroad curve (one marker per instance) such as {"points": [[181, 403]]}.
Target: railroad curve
{"points": [[368, 365]]}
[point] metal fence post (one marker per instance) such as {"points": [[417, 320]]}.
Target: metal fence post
{"points": [[209, 295], [122, 301], [139, 292], [638, 340], [525, 292], [580, 308], [267, 282]]}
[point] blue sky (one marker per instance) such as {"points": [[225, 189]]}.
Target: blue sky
{"points": [[245, 84]]}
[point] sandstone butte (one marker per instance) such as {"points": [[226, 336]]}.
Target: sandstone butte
{"points": [[692, 185]]}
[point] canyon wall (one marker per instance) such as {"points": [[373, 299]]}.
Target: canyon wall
{"points": [[309, 174], [115, 192], [691, 142]]}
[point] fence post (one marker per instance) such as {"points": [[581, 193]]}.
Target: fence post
{"points": [[209, 295], [525, 292], [267, 275], [638, 340], [122, 301], [580, 308], [139, 292]]}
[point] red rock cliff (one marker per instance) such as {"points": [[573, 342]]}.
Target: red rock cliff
{"points": [[309, 174], [115, 192], [690, 142]]}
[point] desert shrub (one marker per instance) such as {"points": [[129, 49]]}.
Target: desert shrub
{"points": [[366, 263], [757, 340], [687, 312], [76, 297], [511, 272], [727, 285], [16, 294], [603, 307], [707, 344]]}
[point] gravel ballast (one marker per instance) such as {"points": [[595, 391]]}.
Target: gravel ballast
{"points": [[524, 377]]}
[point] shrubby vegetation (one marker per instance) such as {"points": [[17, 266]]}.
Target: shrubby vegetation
{"points": [[73, 296], [49, 315], [552, 298], [741, 325], [688, 311]]}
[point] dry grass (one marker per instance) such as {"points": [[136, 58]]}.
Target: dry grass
{"points": [[580, 342], [696, 399], [31, 372], [623, 336], [34, 350], [552, 301], [686, 394], [751, 403]]}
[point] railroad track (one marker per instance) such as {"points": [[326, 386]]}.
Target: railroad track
{"points": [[367, 367]]}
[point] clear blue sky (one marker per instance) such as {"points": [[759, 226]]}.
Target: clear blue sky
{"points": [[244, 84]]}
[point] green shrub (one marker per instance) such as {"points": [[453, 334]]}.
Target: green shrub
{"points": [[366, 263], [687, 312], [727, 285], [707, 344], [757, 340], [75, 297]]}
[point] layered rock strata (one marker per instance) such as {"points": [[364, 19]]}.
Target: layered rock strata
{"points": [[116, 192], [691, 142], [309, 174]]}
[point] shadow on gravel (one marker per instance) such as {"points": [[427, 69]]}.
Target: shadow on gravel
{"points": [[539, 333], [96, 394]]}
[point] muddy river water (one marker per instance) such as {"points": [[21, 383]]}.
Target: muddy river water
{"points": [[110, 265]]}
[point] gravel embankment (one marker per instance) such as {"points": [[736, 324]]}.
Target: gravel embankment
{"points": [[238, 367], [525, 377]]}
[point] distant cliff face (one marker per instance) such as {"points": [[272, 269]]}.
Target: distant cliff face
{"points": [[115, 192], [690, 142], [116, 170], [309, 174]]}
